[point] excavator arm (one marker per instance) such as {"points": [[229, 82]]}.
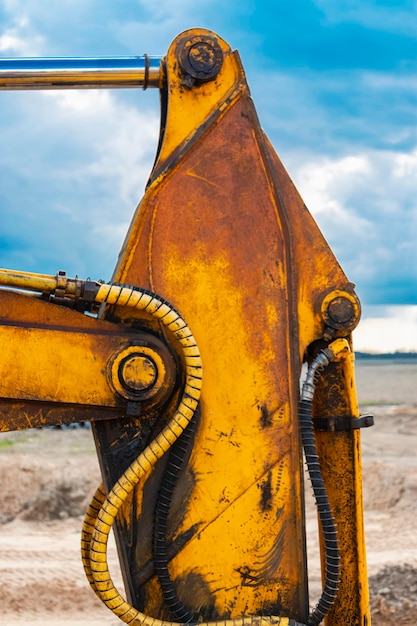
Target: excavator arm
{"points": [[189, 361]]}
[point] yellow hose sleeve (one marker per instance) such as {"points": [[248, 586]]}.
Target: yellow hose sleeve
{"points": [[103, 509]]}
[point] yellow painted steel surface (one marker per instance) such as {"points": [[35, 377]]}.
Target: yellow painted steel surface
{"points": [[210, 238], [59, 366], [52, 361], [223, 235], [340, 459]]}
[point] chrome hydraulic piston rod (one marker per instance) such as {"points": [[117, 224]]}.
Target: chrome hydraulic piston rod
{"points": [[80, 73]]}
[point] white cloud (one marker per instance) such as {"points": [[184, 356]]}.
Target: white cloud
{"points": [[320, 179], [366, 206], [9, 42], [20, 40], [325, 184], [405, 166], [79, 101], [387, 329], [82, 159], [122, 145]]}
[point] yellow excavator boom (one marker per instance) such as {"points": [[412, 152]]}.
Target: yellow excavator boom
{"points": [[188, 366]]}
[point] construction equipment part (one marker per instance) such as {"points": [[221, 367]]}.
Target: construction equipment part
{"points": [[199, 432]]}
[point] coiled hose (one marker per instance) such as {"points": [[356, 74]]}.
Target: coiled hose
{"points": [[178, 610], [103, 508], [327, 522], [175, 463]]}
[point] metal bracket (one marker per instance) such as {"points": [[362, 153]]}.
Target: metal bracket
{"points": [[342, 423]]}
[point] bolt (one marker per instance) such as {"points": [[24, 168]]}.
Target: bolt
{"points": [[137, 373], [341, 310], [201, 59]]}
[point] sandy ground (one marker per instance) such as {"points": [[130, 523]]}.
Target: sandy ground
{"points": [[48, 476]]}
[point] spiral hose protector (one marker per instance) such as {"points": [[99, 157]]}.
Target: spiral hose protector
{"points": [[104, 508], [163, 504], [327, 522]]}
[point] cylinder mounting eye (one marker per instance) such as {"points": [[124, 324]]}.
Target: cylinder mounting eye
{"points": [[138, 372], [341, 310], [143, 371], [200, 58]]}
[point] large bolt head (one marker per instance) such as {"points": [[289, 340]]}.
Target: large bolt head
{"points": [[137, 372], [201, 57], [341, 310], [143, 371]]}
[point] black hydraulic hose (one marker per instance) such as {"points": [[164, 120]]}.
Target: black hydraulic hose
{"points": [[327, 522], [160, 556], [104, 508], [326, 519]]}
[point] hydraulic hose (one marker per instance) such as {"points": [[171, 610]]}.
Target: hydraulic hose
{"points": [[103, 508], [175, 463], [326, 519]]}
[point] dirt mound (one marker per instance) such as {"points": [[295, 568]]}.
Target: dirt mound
{"points": [[394, 595], [37, 490], [387, 487], [56, 501]]}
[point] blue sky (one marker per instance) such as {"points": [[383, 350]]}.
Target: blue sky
{"points": [[335, 86]]}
